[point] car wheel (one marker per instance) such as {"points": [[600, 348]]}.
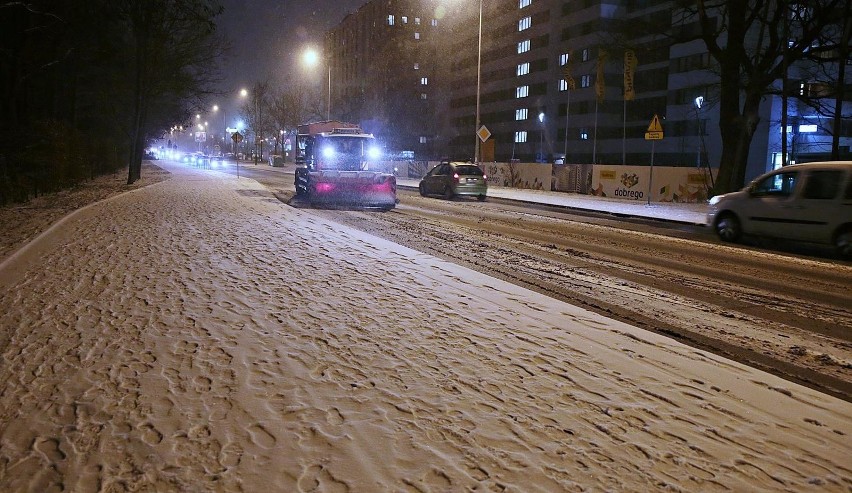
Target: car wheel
{"points": [[422, 190], [448, 193], [481, 198], [843, 242], [728, 227]]}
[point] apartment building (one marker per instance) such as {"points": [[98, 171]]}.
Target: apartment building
{"points": [[550, 84], [389, 73]]}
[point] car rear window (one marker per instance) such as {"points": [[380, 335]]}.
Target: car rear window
{"points": [[469, 170]]}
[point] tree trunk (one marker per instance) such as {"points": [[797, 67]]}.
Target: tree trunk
{"points": [[841, 84]]}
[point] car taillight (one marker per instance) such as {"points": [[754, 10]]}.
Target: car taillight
{"points": [[484, 177], [456, 176]]}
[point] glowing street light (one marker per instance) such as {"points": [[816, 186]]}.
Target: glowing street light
{"points": [[311, 58]]}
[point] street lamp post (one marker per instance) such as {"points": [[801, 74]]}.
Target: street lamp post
{"points": [[478, 85], [541, 138], [699, 101], [312, 58]]}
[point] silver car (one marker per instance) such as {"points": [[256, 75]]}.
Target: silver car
{"points": [[803, 202]]}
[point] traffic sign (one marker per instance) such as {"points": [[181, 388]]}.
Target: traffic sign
{"points": [[655, 130], [655, 125], [237, 137], [483, 133]]}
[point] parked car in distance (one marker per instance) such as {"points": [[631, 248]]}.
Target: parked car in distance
{"points": [[802, 202], [276, 161], [451, 179]]}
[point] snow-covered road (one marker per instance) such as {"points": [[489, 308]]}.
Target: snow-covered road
{"points": [[199, 335]]}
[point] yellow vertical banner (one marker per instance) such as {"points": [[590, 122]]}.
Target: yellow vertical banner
{"points": [[600, 85], [630, 63], [567, 71]]}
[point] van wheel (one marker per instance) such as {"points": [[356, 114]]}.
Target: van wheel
{"points": [[728, 228], [843, 242]]}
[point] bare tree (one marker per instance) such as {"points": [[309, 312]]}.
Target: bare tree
{"points": [[745, 39]]}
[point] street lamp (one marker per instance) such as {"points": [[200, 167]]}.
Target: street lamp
{"points": [[478, 84], [699, 102], [541, 137], [311, 58]]}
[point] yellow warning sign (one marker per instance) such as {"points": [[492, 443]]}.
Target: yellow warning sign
{"points": [[655, 130], [655, 125]]}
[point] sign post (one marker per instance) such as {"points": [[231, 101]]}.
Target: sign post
{"points": [[654, 133], [237, 138]]}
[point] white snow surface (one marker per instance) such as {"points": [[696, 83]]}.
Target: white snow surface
{"points": [[199, 335], [683, 212]]}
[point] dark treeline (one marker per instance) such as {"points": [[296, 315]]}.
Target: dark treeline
{"points": [[85, 85]]}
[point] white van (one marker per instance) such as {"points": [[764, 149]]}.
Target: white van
{"points": [[803, 202]]}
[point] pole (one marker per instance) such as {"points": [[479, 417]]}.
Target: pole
{"points": [[478, 86], [567, 107], [624, 136], [651, 178], [257, 124], [328, 106], [595, 137]]}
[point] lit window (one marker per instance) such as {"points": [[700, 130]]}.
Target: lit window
{"points": [[563, 85], [584, 134], [563, 59], [424, 81], [405, 19], [416, 35], [434, 22], [417, 21], [524, 23], [390, 20], [586, 55], [807, 129], [522, 91], [521, 114], [422, 139], [521, 136], [416, 66], [423, 95], [524, 46], [524, 3], [586, 81], [523, 68]]}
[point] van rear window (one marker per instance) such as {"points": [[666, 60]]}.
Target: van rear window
{"points": [[823, 184]]}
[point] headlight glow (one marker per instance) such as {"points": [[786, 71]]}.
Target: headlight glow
{"points": [[374, 152], [328, 152], [715, 199]]}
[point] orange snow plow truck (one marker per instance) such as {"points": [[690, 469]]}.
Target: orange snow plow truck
{"points": [[338, 164]]}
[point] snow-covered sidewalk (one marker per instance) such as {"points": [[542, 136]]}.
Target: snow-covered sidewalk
{"points": [[199, 335], [688, 213]]}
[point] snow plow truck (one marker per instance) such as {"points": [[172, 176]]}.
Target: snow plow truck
{"points": [[339, 164]]}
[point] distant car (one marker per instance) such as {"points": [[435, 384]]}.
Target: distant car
{"points": [[803, 202], [276, 161], [452, 179]]}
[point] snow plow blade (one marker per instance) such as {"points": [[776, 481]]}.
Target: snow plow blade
{"points": [[357, 188]]}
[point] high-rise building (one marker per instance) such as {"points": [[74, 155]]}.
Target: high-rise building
{"points": [[558, 80], [388, 73]]}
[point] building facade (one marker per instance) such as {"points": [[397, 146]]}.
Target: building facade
{"points": [[557, 81], [389, 73]]}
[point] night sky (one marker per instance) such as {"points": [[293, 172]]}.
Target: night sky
{"points": [[267, 35]]}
